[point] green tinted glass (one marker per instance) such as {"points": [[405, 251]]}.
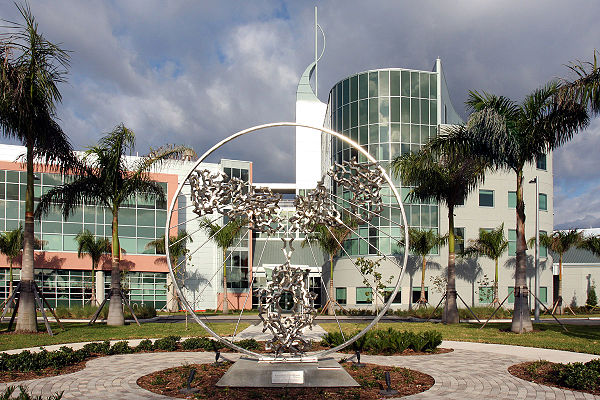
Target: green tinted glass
{"points": [[405, 83], [354, 88], [363, 112], [512, 199], [414, 84], [363, 86], [373, 82], [405, 110], [384, 83], [433, 86]]}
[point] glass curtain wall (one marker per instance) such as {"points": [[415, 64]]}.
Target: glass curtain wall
{"points": [[389, 113]]}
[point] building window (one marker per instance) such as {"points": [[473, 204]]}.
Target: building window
{"points": [[364, 295], [486, 198], [512, 242], [511, 294], [541, 162], [237, 269], [543, 249], [388, 292], [512, 199], [341, 295], [543, 296], [486, 294], [459, 240], [416, 294], [543, 202]]}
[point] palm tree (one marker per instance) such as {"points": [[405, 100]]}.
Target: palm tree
{"points": [[560, 242], [509, 136], [591, 243], [95, 248], [31, 69], [448, 178], [491, 244], [330, 240], [177, 249], [109, 179], [11, 244], [421, 243], [224, 236]]}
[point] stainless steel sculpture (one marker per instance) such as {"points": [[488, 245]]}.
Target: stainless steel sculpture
{"points": [[287, 306]]}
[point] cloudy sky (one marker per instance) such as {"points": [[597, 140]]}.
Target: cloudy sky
{"points": [[193, 72]]}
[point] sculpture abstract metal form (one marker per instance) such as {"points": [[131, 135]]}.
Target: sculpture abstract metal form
{"points": [[286, 305]]}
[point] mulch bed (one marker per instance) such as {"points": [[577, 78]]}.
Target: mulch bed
{"points": [[169, 381], [15, 376], [540, 372]]}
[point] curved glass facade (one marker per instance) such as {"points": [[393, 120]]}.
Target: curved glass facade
{"points": [[389, 112]]}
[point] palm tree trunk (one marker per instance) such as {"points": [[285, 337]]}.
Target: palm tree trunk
{"points": [[93, 299], [496, 300], [225, 299], [27, 321], [10, 282], [331, 294], [115, 309], [560, 302], [451, 309], [521, 321], [423, 300]]}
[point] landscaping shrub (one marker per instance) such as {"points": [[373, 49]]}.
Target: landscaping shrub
{"points": [[98, 347], [388, 341], [28, 361], [9, 393], [249, 344], [142, 312], [592, 299], [578, 375], [121, 347], [197, 343], [168, 343], [145, 345]]}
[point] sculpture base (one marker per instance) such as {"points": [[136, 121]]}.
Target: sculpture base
{"points": [[251, 373]]}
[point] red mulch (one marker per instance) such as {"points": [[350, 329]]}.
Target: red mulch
{"points": [[169, 381]]}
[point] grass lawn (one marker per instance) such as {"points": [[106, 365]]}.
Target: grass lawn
{"points": [[582, 339], [81, 332]]}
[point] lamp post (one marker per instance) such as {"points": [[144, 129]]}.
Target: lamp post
{"points": [[537, 248]]}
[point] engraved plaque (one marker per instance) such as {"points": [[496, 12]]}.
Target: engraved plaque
{"points": [[286, 377]]}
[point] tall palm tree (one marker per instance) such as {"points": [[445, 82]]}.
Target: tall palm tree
{"points": [[87, 243], [560, 242], [177, 249], [491, 244], [11, 244], [448, 178], [330, 240], [31, 70], [109, 179], [510, 136], [421, 243], [224, 236]]}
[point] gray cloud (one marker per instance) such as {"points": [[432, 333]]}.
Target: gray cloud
{"points": [[194, 72]]}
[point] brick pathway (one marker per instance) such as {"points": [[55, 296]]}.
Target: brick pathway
{"points": [[462, 374]]}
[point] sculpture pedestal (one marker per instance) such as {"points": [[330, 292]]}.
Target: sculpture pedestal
{"points": [[254, 373]]}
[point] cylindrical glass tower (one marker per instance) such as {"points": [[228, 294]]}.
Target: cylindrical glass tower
{"points": [[389, 112]]}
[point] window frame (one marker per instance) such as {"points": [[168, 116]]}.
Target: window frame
{"points": [[489, 191]]}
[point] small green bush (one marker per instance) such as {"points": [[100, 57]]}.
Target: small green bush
{"points": [[98, 347], [249, 344], [121, 347], [145, 345], [578, 375], [168, 343], [592, 299], [27, 361], [197, 343]]}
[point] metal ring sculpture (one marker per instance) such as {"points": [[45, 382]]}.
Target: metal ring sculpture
{"points": [[365, 185]]}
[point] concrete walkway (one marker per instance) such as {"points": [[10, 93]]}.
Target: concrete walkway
{"points": [[471, 371]]}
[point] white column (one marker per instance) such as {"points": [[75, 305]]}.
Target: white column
{"points": [[100, 286]]}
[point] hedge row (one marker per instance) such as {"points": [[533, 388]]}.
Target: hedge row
{"points": [[65, 356], [388, 341]]}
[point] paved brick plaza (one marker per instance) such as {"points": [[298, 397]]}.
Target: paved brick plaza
{"points": [[472, 371]]}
